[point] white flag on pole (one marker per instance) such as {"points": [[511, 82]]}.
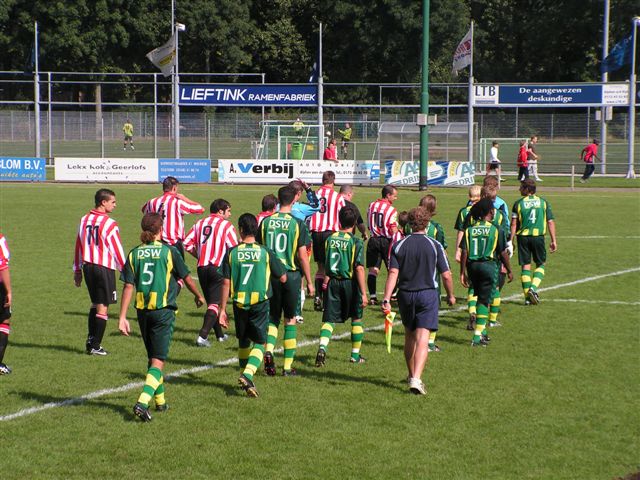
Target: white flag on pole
{"points": [[164, 57], [462, 55]]}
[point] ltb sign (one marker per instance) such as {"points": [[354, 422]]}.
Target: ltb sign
{"points": [[485, 95]]}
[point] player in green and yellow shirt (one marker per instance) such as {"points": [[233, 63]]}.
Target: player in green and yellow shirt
{"points": [[532, 216], [152, 268], [247, 269], [127, 129], [344, 286]]}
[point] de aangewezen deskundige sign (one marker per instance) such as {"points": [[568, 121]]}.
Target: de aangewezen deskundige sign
{"points": [[616, 94]]}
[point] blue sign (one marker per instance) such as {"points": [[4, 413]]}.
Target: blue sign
{"points": [[250, 95], [22, 169], [186, 170], [550, 95]]}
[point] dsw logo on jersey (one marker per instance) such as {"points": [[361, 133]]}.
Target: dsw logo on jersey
{"points": [[149, 253], [251, 255]]}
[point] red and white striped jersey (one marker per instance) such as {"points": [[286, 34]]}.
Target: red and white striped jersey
{"points": [[4, 254], [209, 239], [396, 237], [98, 242], [331, 202], [262, 215], [382, 217], [172, 210]]}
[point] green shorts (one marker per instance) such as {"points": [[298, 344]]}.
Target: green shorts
{"points": [[285, 297], [251, 324], [531, 247], [484, 279], [342, 300], [156, 329]]}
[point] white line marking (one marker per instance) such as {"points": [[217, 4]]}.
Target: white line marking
{"points": [[600, 237], [187, 371], [578, 300]]}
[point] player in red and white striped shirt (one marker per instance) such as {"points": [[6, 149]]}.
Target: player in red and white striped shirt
{"points": [[208, 241], [269, 205], [5, 302], [383, 224], [172, 206], [98, 254], [322, 224]]}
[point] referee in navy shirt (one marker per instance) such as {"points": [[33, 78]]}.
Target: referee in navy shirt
{"points": [[413, 265]]}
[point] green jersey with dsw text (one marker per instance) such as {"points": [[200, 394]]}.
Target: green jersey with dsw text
{"points": [[483, 241], [532, 213], [284, 234], [344, 252]]}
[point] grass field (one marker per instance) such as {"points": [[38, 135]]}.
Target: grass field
{"points": [[554, 396]]}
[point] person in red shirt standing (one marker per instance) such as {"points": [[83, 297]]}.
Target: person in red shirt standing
{"points": [[588, 155], [383, 224], [523, 161], [98, 254], [322, 224], [331, 152], [208, 241], [172, 206], [269, 205], [5, 302]]}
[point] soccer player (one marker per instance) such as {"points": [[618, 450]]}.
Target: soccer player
{"points": [[247, 269], [483, 244], [287, 237], [152, 267], [346, 138], [172, 206], [347, 192], [523, 161], [415, 260], [322, 224], [531, 217], [588, 155], [127, 129], [98, 254], [208, 241], [269, 204], [495, 165], [5, 302], [343, 286], [383, 224]]}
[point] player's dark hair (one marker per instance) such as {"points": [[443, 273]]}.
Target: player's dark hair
{"points": [[481, 208], [346, 189], [419, 218], [219, 204], [347, 217], [168, 183], [490, 180], [328, 177], [286, 195], [489, 191], [151, 225], [297, 185], [494, 143], [528, 186], [403, 218], [388, 190], [248, 225], [430, 203], [102, 195], [269, 202]]}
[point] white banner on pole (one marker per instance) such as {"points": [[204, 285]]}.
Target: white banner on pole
{"points": [[462, 55], [164, 57]]}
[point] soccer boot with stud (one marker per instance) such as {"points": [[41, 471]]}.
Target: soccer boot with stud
{"points": [[4, 369], [290, 373], [433, 347], [321, 357], [269, 364], [533, 297], [317, 304], [162, 408], [248, 386], [100, 352], [360, 359], [142, 412]]}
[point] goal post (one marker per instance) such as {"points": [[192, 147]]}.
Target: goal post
{"points": [[284, 141]]}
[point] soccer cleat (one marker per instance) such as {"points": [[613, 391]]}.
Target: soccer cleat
{"points": [[142, 412], [495, 324], [317, 304], [320, 357], [202, 342], [472, 322], [269, 364], [132, 147], [248, 386], [223, 338], [533, 297], [527, 302], [360, 359], [101, 352], [299, 319], [481, 343], [433, 347], [486, 338], [290, 373], [417, 387], [162, 408], [373, 301], [4, 369]]}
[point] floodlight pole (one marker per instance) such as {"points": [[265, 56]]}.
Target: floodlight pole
{"points": [[470, 106], [320, 101], [632, 97], [178, 27], [36, 93], [605, 78], [424, 99]]}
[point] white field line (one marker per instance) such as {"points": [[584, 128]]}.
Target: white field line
{"points": [[578, 300], [187, 371], [599, 237]]}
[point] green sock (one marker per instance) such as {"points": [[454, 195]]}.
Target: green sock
{"points": [[254, 361], [158, 396], [244, 349], [538, 275], [151, 384], [357, 334], [472, 301], [525, 279], [272, 336], [325, 335], [290, 343], [481, 321]]}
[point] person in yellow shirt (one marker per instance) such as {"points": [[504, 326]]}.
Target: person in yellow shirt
{"points": [[127, 129]]}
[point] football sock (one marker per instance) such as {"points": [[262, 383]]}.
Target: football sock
{"points": [[319, 279], [151, 384], [525, 279], [494, 308], [91, 324], [371, 285], [325, 335], [101, 326], [272, 337], [357, 334], [244, 350], [299, 304], [538, 275], [158, 396], [472, 301], [481, 321], [289, 345], [5, 329], [210, 318], [432, 338], [254, 361]]}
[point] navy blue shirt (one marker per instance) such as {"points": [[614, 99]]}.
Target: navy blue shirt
{"points": [[418, 259]]}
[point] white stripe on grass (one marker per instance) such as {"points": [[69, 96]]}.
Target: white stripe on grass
{"points": [[599, 237], [230, 361], [579, 300]]}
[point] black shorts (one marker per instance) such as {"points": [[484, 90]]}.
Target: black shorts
{"points": [[342, 300], [419, 309], [128, 137], [284, 300], [178, 246], [318, 245], [378, 252], [5, 312], [484, 279], [101, 283], [252, 324], [156, 329], [531, 247], [210, 283]]}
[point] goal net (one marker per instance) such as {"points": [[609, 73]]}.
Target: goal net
{"points": [[285, 141]]}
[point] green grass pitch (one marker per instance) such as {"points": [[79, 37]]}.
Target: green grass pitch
{"points": [[554, 396]]}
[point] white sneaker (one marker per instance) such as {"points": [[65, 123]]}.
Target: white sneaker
{"points": [[223, 338], [538, 179], [202, 342], [416, 386], [299, 319], [132, 147]]}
